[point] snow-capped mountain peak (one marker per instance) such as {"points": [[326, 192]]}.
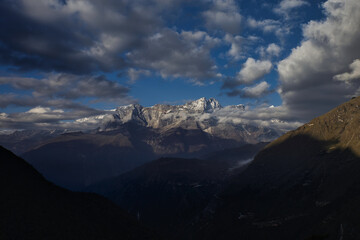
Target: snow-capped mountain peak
{"points": [[203, 105], [132, 112]]}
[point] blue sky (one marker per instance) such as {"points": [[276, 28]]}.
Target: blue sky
{"points": [[63, 60]]}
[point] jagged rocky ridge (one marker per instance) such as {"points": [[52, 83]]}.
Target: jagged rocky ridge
{"points": [[205, 114]]}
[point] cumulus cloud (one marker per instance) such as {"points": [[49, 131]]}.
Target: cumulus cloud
{"points": [[272, 50], [239, 45], [223, 15], [286, 6], [236, 42], [354, 74], [175, 55], [256, 91], [307, 86], [253, 70]]}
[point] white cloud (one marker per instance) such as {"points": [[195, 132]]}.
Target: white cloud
{"points": [[235, 50], [256, 91], [41, 110], [307, 86], [273, 49], [269, 26], [354, 74], [285, 6], [253, 70], [223, 15], [240, 45], [275, 117]]}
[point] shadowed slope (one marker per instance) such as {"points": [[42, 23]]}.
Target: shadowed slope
{"points": [[304, 185], [33, 208]]}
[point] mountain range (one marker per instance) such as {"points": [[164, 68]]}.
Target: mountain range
{"points": [[132, 135], [304, 185], [203, 114]]}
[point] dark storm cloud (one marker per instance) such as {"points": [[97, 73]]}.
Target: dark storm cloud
{"points": [[77, 37], [48, 118], [223, 15], [53, 100], [69, 86], [31, 101], [172, 54], [82, 37]]}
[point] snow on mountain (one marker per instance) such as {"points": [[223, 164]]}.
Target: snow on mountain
{"points": [[202, 105], [92, 119], [205, 114], [162, 115]]}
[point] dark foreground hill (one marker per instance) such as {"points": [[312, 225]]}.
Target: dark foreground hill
{"points": [[304, 185], [33, 208], [171, 194]]}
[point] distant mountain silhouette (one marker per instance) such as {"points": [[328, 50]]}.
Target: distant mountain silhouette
{"points": [[33, 208], [304, 185], [171, 194]]}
